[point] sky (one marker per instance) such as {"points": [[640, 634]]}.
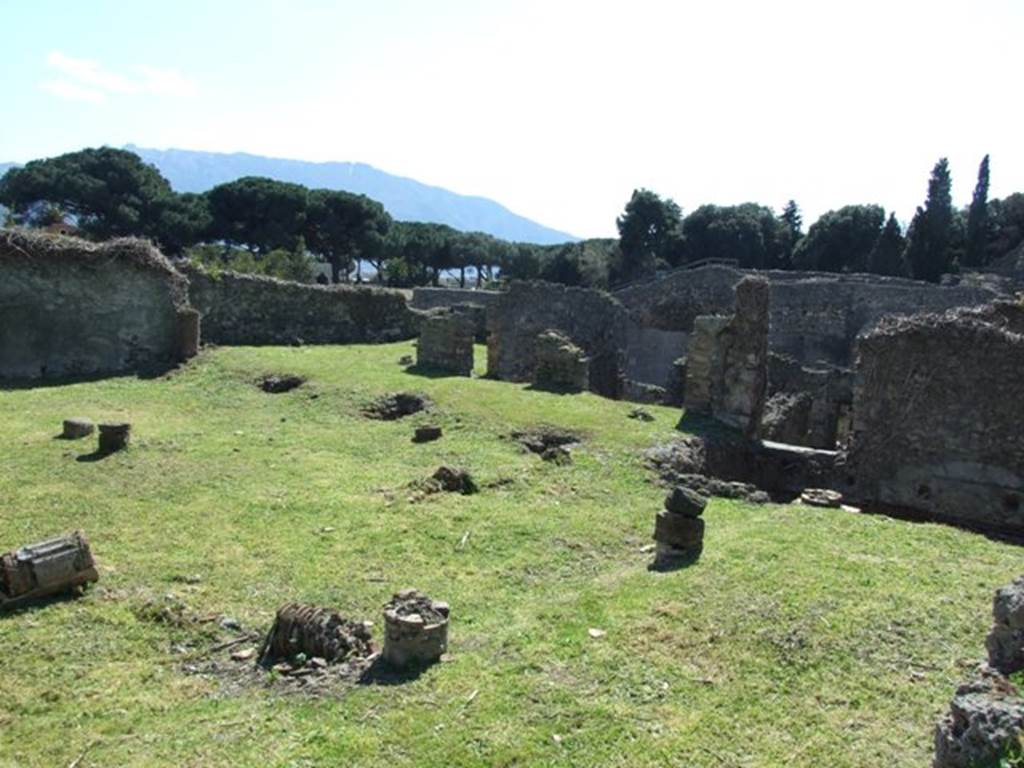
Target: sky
{"points": [[557, 109]]}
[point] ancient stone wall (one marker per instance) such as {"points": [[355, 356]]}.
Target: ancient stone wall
{"points": [[69, 307], [435, 298], [814, 316], [250, 309], [592, 319], [560, 365], [807, 405], [727, 368], [446, 341], [937, 416]]}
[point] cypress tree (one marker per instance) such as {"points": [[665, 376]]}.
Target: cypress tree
{"points": [[928, 253], [977, 219], [886, 257]]}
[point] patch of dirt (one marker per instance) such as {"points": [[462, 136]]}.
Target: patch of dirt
{"points": [[276, 383], [550, 443], [397, 405]]}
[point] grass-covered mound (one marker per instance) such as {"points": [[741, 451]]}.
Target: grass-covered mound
{"points": [[802, 637]]}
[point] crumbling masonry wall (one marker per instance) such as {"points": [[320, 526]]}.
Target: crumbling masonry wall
{"points": [[727, 368], [937, 409], [72, 308], [807, 405], [446, 341], [591, 319], [251, 309], [815, 316]]}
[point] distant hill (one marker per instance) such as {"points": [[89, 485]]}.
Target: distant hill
{"points": [[4, 167], [405, 199]]}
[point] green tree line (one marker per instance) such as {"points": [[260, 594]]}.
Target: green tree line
{"points": [[271, 227]]}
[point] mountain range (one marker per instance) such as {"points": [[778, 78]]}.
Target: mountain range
{"points": [[405, 199]]}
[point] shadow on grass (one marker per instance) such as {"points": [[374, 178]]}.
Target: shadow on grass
{"points": [[96, 455], [670, 564], [552, 390], [382, 673], [45, 382], [9, 609], [433, 373]]}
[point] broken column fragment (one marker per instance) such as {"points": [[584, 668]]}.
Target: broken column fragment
{"points": [[315, 633], [47, 568], [415, 629], [679, 528], [114, 436]]}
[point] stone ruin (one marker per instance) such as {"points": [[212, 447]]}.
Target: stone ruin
{"points": [[71, 308], [726, 368], [1005, 642], [307, 632], [986, 716], [415, 629], [446, 341], [807, 404], [559, 365], [114, 436], [47, 568], [679, 529], [937, 417], [593, 320]]}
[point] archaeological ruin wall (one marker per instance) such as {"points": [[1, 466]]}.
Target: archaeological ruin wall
{"points": [[252, 309], [937, 416], [590, 319], [815, 317], [71, 308]]}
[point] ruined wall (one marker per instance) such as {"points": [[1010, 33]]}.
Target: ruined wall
{"points": [[651, 354], [251, 309], [807, 405], [592, 319], [69, 307], [433, 298], [727, 367], [814, 316], [446, 341], [937, 416]]}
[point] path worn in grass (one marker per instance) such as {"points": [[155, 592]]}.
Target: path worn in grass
{"points": [[802, 637]]}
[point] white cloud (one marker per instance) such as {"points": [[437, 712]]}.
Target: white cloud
{"points": [[87, 80], [68, 91]]}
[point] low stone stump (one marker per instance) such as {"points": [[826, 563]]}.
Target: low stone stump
{"points": [[559, 365], [427, 434], [315, 632], [679, 528], [415, 629], [47, 568], [77, 427], [985, 719], [1005, 643], [114, 436]]}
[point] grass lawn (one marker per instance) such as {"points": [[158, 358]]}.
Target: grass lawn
{"points": [[802, 637]]}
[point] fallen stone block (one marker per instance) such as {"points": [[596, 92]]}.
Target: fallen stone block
{"points": [[427, 434], [821, 497], [47, 568], [77, 427], [686, 502]]}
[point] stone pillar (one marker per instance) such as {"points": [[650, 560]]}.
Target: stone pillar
{"points": [[446, 341], [1005, 643], [77, 427], [188, 333]]}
